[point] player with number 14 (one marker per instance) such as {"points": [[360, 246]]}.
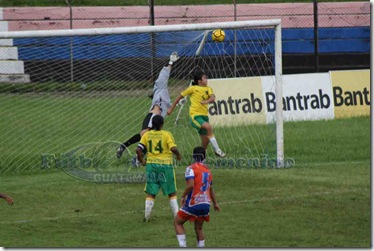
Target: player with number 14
{"points": [[160, 147]]}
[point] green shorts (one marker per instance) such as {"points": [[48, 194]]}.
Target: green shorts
{"points": [[197, 121], [160, 176]]}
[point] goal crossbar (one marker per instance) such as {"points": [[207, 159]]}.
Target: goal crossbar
{"points": [[138, 29]]}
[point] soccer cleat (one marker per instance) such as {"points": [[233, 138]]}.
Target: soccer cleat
{"points": [[220, 154], [135, 162], [120, 150], [146, 220]]}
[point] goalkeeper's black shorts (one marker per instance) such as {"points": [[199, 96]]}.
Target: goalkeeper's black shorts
{"points": [[147, 122]]}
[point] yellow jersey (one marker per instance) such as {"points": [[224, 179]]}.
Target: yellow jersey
{"points": [[197, 94], [158, 145]]}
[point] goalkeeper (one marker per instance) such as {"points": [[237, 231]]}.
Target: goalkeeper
{"points": [[160, 104], [200, 96]]}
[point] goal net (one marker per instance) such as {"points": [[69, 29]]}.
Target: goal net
{"points": [[88, 91]]}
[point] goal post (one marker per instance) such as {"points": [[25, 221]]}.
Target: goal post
{"points": [[104, 100], [279, 95]]}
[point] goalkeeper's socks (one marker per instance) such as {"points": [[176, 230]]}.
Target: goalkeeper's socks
{"points": [[134, 139], [124, 145], [174, 205], [200, 243], [149, 202], [182, 240]]}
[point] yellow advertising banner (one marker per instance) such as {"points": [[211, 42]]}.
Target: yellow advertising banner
{"points": [[351, 93], [239, 101]]}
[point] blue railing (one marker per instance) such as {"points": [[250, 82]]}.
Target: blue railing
{"points": [[294, 41]]}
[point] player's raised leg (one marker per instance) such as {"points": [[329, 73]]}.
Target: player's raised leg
{"points": [[134, 139], [209, 129], [147, 124], [204, 141]]}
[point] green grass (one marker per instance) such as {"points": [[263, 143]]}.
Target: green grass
{"points": [[47, 123], [9, 3], [328, 141], [325, 205], [323, 201]]}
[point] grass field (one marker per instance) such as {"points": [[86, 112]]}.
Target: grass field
{"points": [[324, 201]]}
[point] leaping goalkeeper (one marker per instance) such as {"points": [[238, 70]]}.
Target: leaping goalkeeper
{"points": [[160, 104]]}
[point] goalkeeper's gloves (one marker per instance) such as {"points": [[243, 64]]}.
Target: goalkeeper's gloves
{"points": [[173, 57]]}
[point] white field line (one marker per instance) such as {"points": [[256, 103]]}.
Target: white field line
{"points": [[78, 215]]}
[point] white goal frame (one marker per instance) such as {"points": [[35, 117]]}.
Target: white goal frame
{"points": [[276, 23]]}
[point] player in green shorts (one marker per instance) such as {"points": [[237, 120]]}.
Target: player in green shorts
{"points": [[160, 147], [200, 96]]}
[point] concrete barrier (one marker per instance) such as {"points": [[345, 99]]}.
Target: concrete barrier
{"points": [[293, 15]]}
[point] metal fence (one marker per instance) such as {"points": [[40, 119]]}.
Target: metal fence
{"points": [[303, 15], [342, 14]]}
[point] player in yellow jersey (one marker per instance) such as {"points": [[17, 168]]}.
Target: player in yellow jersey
{"points": [[200, 96], [160, 147]]}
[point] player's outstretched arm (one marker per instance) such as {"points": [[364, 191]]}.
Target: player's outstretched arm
{"points": [[214, 200], [170, 110], [163, 77], [173, 58]]}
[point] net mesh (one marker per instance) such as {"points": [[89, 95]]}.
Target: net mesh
{"points": [[87, 94]]}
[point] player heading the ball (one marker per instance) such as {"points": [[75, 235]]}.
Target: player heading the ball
{"points": [[200, 96]]}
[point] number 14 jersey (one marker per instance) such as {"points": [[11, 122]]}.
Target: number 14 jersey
{"points": [[158, 145]]}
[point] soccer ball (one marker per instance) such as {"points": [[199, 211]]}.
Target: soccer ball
{"points": [[218, 35]]}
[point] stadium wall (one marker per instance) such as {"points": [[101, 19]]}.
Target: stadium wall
{"points": [[293, 15], [313, 96]]}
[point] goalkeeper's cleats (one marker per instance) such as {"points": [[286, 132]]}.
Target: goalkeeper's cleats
{"points": [[220, 154], [135, 162], [120, 150]]}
